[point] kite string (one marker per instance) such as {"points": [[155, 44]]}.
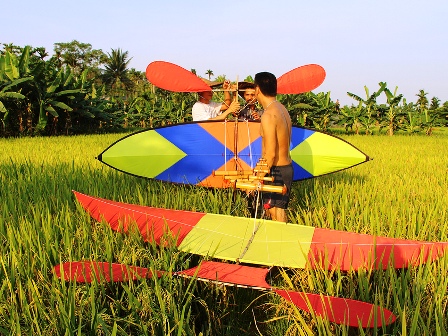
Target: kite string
{"points": [[257, 224], [225, 144], [235, 140], [256, 227], [250, 145]]}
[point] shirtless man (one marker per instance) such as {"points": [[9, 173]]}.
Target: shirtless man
{"points": [[206, 109], [276, 137]]}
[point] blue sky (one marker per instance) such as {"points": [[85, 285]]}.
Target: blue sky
{"points": [[363, 42]]}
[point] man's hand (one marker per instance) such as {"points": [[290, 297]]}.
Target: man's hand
{"points": [[255, 115], [234, 107]]}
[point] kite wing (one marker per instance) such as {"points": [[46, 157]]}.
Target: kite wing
{"points": [[263, 242], [338, 310]]}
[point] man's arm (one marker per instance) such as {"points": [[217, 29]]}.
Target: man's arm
{"points": [[227, 101], [227, 98], [234, 107], [198, 113]]}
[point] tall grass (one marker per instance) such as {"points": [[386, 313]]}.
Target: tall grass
{"points": [[401, 193]]}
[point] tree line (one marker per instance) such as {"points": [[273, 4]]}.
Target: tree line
{"points": [[81, 90]]}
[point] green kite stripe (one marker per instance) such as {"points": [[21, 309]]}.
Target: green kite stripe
{"points": [[320, 154], [132, 155]]}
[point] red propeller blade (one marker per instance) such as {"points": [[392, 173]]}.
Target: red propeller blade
{"points": [[302, 79], [172, 77], [169, 76]]}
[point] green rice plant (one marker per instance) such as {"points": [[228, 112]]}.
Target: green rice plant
{"points": [[400, 193]]}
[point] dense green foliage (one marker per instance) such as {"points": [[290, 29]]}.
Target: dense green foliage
{"points": [[80, 90], [401, 193]]}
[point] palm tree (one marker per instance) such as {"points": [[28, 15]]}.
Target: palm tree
{"points": [[41, 52], [435, 103], [428, 116], [116, 74], [422, 101], [209, 73]]}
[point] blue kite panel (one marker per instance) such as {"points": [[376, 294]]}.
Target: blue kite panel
{"points": [[252, 153], [299, 135], [204, 148], [300, 173]]}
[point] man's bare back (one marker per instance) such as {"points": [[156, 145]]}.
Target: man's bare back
{"points": [[276, 135]]}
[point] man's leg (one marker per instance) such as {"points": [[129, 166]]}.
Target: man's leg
{"points": [[278, 214]]}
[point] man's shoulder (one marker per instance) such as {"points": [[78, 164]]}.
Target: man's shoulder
{"points": [[268, 119], [275, 114], [270, 113]]}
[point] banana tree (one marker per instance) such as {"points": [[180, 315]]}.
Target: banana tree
{"points": [[14, 81], [324, 109], [351, 117], [83, 102], [429, 121], [173, 112], [8, 95], [410, 119], [371, 106], [443, 113], [389, 119], [12, 67], [299, 107], [429, 118], [54, 96], [149, 101]]}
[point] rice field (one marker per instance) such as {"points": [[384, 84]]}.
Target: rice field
{"points": [[401, 193]]}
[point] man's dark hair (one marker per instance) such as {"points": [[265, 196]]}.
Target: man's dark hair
{"points": [[243, 86], [267, 83]]}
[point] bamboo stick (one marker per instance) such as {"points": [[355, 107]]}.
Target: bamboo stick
{"points": [[261, 187], [261, 170], [232, 172], [258, 178]]}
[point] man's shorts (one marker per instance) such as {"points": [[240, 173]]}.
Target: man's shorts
{"points": [[283, 175]]}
